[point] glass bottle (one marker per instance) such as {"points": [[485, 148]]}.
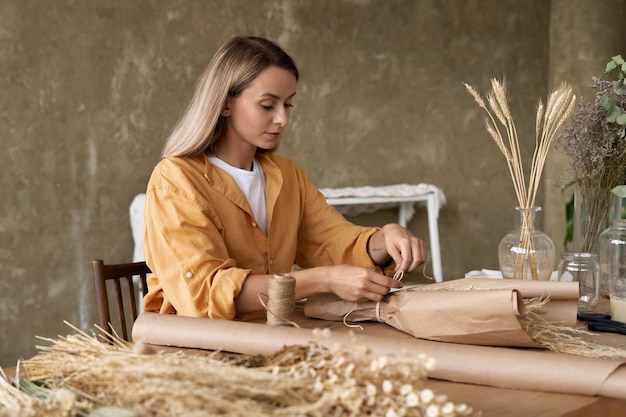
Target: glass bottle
{"points": [[527, 253], [583, 268], [612, 254]]}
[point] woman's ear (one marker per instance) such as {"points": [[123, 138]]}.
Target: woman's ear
{"points": [[226, 109]]}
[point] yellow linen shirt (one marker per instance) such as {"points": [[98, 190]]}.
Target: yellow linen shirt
{"points": [[202, 241]]}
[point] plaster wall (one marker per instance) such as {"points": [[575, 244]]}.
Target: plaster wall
{"points": [[91, 89]]}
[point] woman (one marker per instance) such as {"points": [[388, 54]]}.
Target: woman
{"points": [[224, 213]]}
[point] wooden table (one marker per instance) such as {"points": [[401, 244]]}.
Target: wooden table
{"points": [[501, 402]]}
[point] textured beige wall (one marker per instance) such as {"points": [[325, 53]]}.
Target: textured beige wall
{"points": [[90, 89]]}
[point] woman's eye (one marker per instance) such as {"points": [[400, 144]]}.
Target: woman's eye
{"points": [[288, 106], [265, 107]]}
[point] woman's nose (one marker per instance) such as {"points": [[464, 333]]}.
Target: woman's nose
{"points": [[281, 117]]}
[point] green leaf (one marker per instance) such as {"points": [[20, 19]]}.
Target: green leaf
{"points": [[610, 67], [618, 59], [606, 102], [621, 119], [614, 113]]}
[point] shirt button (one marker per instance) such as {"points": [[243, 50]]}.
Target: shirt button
{"points": [[253, 224], [271, 262], [188, 275]]}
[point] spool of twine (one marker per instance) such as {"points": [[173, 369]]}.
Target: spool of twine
{"points": [[281, 294]]}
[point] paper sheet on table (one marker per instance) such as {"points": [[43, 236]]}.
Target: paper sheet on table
{"points": [[476, 312], [528, 369]]}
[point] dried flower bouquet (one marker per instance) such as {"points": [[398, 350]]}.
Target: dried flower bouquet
{"points": [[501, 127], [595, 142]]}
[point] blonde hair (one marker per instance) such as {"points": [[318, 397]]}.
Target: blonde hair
{"points": [[233, 67]]}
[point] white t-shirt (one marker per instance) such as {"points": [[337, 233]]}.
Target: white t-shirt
{"points": [[252, 184]]}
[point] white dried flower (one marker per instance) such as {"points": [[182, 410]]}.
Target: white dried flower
{"points": [[387, 386], [448, 409], [406, 389], [427, 395], [432, 411], [391, 413], [370, 389], [412, 400]]}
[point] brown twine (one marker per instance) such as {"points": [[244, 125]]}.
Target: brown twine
{"points": [[424, 270], [281, 300]]}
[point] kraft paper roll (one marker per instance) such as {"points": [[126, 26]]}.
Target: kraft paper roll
{"points": [[527, 369]]}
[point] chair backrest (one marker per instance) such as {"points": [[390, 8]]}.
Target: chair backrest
{"points": [[120, 277]]}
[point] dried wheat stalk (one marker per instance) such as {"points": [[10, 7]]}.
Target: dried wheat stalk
{"points": [[548, 121]]}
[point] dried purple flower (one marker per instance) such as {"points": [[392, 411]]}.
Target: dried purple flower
{"points": [[597, 155]]}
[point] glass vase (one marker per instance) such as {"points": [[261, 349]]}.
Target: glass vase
{"points": [[527, 253]]}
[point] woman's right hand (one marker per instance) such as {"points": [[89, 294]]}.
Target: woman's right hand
{"points": [[358, 284]]}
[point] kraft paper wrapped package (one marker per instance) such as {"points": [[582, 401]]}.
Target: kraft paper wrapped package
{"points": [[505, 367], [470, 311]]}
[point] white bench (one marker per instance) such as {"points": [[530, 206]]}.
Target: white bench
{"points": [[349, 201]]}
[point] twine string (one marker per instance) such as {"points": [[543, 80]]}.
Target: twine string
{"points": [[281, 294], [424, 270], [345, 318]]}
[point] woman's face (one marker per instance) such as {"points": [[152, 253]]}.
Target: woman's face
{"points": [[257, 116]]}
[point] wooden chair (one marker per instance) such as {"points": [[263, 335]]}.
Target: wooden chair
{"points": [[125, 298]]}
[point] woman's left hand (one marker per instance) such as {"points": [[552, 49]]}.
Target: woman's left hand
{"points": [[407, 250]]}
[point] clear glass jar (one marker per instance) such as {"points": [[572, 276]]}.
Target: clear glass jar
{"points": [[527, 253], [583, 268], [612, 254]]}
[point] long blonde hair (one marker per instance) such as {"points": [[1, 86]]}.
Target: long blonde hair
{"points": [[233, 67]]}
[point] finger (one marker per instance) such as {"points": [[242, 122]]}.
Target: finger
{"points": [[419, 255], [374, 296], [407, 256]]}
